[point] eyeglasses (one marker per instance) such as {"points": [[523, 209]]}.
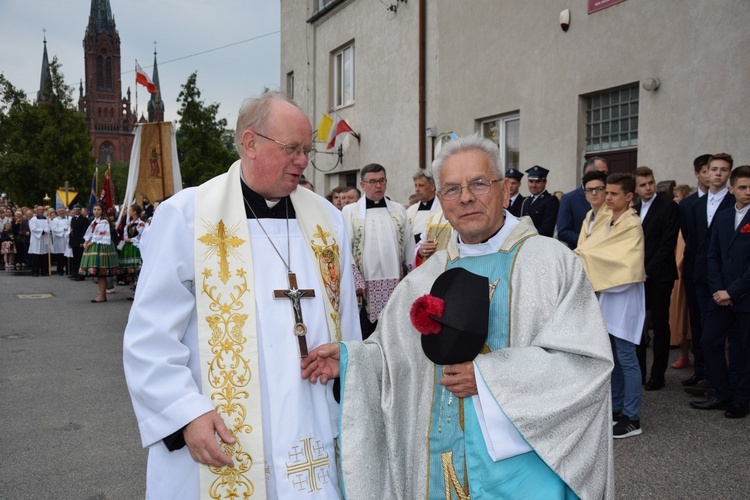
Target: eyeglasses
{"points": [[373, 182], [597, 189], [479, 186], [290, 149]]}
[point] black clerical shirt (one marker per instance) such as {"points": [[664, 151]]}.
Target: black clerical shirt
{"points": [[261, 209]]}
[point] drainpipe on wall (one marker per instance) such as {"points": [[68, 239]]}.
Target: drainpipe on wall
{"points": [[422, 104]]}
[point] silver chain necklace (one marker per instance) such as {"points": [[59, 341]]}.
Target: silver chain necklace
{"points": [[288, 251]]}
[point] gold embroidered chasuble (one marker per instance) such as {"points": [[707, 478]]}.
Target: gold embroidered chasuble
{"points": [[227, 336]]}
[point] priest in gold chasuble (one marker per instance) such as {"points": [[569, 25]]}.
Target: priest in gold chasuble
{"points": [[241, 276]]}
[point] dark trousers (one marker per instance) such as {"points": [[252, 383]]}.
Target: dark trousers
{"points": [[658, 297], [703, 300], [691, 300], [76, 261], [39, 264], [367, 326], [731, 382], [61, 261]]}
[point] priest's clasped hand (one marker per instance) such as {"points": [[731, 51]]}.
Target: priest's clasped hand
{"points": [[200, 437], [460, 380], [322, 363]]}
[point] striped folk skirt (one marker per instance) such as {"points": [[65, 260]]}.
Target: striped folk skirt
{"points": [[129, 262], [99, 260]]}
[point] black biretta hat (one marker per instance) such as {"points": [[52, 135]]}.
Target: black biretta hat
{"points": [[454, 317]]}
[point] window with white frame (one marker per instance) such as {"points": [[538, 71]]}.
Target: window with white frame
{"points": [[612, 119], [505, 131], [343, 77]]}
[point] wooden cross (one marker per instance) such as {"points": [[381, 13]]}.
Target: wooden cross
{"points": [[295, 294], [67, 190]]}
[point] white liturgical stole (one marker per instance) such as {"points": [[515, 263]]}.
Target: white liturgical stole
{"points": [[227, 328]]}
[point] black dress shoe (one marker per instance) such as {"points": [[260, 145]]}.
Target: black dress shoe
{"points": [[737, 411], [692, 381], [654, 384], [712, 403]]}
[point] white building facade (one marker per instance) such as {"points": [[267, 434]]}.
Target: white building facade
{"points": [[640, 82]]}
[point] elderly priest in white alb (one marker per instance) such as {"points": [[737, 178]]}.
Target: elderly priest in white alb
{"points": [[240, 277]]}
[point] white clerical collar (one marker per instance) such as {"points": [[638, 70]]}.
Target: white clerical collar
{"points": [[493, 244]]}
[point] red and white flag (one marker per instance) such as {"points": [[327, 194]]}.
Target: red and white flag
{"points": [[338, 128], [142, 78]]}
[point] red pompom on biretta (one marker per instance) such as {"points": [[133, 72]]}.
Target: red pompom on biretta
{"points": [[421, 311]]}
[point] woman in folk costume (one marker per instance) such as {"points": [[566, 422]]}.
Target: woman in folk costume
{"points": [[130, 256], [99, 252]]}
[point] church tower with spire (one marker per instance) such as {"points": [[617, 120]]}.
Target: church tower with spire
{"points": [[108, 114], [45, 81], [156, 104]]}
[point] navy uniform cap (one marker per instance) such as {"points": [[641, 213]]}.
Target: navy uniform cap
{"points": [[536, 173], [514, 173]]}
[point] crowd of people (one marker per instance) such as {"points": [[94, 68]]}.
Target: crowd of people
{"points": [[471, 343], [76, 244]]}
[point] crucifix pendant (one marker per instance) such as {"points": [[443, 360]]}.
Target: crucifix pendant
{"points": [[294, 294]]}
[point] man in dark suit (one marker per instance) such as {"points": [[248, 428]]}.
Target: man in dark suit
{"points": [[541, 206], [78, 226], [514, 183], [728, 313], [687, 226], [705, 209], [574, 206], [660, 219]]}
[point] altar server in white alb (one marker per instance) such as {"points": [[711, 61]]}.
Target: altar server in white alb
{"points": [[39, 242], [377, 229], [507, 400], [419, 214], [241, 276], [60, 227]]}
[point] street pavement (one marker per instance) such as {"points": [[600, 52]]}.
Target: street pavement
{"points": [[69, 432]]}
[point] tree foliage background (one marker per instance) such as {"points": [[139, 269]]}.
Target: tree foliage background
{"points": [[204, 145], [43, 145]]}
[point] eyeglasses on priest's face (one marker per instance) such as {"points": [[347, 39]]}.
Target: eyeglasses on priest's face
{"points": [[452, 192], [592, 190], [374, 182], [291, 149]]}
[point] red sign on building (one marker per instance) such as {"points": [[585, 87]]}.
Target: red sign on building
{"points": [[597, 5]]}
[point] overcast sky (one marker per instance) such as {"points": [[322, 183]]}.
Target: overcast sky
{"points": [[248, 31]]}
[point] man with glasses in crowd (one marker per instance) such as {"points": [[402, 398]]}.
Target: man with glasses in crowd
{"points": [[529, 417], [377, 228], [241, 276]]}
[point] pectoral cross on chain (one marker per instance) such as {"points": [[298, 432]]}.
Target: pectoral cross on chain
{"points": [[295, 294]]}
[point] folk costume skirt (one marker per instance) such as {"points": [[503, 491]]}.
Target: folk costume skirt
{"points": [[129, 262], [99, 260]]}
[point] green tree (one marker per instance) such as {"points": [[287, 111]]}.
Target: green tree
{"points": [[42, 145], [202, 147]]}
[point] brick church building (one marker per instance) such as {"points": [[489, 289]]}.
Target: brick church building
{"points": [[108, 113]]}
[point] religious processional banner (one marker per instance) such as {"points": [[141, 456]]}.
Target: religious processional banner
{"points": [[155, 176]]}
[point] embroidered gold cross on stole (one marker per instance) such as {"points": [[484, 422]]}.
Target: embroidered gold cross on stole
{"points": [[294, 294]]}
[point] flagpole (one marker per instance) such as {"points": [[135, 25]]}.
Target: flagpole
{"points": [[136, 90]]}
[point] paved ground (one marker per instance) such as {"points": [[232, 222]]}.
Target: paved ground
{"points": [[68, 430]]}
